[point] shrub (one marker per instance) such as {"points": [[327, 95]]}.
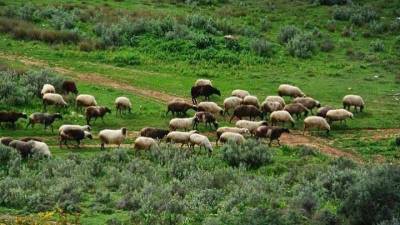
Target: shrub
{"points": [[327, 45], [348, 32], [377, 27], [262, 47], [86, 46], [27, 12], [34, 81], [393, 221], [377, 46], [7, 154], [394, 27], [332, 2], [203, 23], [265, 25], [125, 59], [63, 20], [204, 41], [341, 13], [302, 46], [362, 15], [331, 25], [233, 44], [287, 33]]}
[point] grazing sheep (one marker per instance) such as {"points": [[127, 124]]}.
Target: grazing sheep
{"points": [[281, 116], [246, 111], [179, 107], [145, 143], [122, 104], [241, 131], [11, 117], [180, 137], [316, 122], [205, 91], [24, 148], [308, 102], [6, 141], [43, 118], [73, 133], [26, 139], [289, 90], [85, 101], [210, 107], [251, 100], [40, 148], [231, 103], [202, 82], [201, 141], [240, 93], [231, 136], [338, 115], [274, 133], [275, 98], [69, 87], [207, 118], [69, 126], [250, 125], [353, 100], [323, 110], [155, 133], [183, 123], [112, 136], [270, 106], [53, 99], [95, 112], [47, 88], [296, 109]]}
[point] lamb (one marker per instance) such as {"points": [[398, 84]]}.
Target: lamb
{"points": [[353, 100], [180, 137], [275, 98], [85, 101], [210, 107], [183, 123], [73, 133], [179, 107], [202, 82], [40, 148], [246, 111], [308, 102], [68, 126], [6, 141], [47, 88], [271, 106], [274, 133], [11, 117], [296, 109], [250, 125], [231, 103], [289, 90], [281, 116], [205, 91], [44, 118], [122, 104], [241, 131], [316, 122], [112, 136], [69, 87], [53, 99], [323, 110], [201, 141], [95, 112], [207, 118], [240, 93], [24, 148], [251, 100], [145, 143], [231, 136], [155, 133], [338, 115]]}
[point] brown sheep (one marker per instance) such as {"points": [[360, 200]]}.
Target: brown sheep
{"points": [[296, 109], [246, 111], [6, 141], [155, 133], [206, 117], [24, 148], [95, 112], [73, 134], [321, 112], [11, 117], [274, 133], [308, 102], [44, 118], [179, 107]]}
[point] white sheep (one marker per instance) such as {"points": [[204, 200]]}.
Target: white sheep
{"points": [[238, 130], [183, 123], [231, 136], [200, 140], [122, 103], [290, 90], [275, 98], [203, 82], [231, 103], [145, 143], [47, 88], [179, 137], [250, 125], [353, 100], [108, 136], [210, 107], [40, 148], [53, 99], [271, 106], [85, 100], [240, 93], [338, 115], [281, 116], [69, 126], [316, 122], [251, 100]]}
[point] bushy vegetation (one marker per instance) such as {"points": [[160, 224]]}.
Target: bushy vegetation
{"points": [[302, 46]]}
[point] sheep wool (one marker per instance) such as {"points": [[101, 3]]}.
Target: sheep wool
{"points": [[250, 125], [200, 140], [179, 137], [353, 100], [86, 100], [316, 122], [233, 137], [251, 100], [289, 90], [48, 88], [210, 107], [281, 116], [182, 123], [108, 136], [123, 102], [338, 115], [240, 93], [145, 143], [40, 148], [232, 102], [275, 98], [55, 99], [203, 82], [68, 126]]}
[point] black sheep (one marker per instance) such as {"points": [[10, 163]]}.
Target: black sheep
{"points": [[69, 87], [46, 119], [73, 134], [206, 91], [155, 133], [180, 107], [274, 133], [95, 112], [6, 141], [11, 117], [24, 148], [323, 111], [246, 111]]}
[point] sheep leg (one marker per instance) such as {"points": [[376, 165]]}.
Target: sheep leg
{"points": [[279, 142], [78, 143], [52, 128], [102, 146], [270, 142]]}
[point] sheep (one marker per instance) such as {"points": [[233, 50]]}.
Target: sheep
{"points": [[338, 115], [24, 148], [231, 103], [183, 123], [250, 125], [289, 90], [145, 143], [323, 110], [308, 102], [11, 117], [179, 107], [274, 133], [40, 148], [296, 109], [180, 137], [202, 82], [251, 100], [69, 126], [85, 101], [155, 133], [47, 88], [95, 112], [246, 111], [6, 141], [44, 118], [210, 107], [112, 136], [353, 100], [53, 99], [281, 116], [240, 93], [275, 98], [201, 141], [205, 91], [69, 87], [122, 104], [73, 133], [231, 136], [207, 118], [316, 122], [26, 139], [241, 131], [270, 106]]}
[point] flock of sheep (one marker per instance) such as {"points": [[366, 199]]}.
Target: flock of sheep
{"points": [[184, 130]]}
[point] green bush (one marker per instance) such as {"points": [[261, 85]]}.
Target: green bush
{"points": [[377, 27], [362, 15], [377, 46], [394, 221], [341, 13], [204, 41], [332, 2], [287, 33], [302, 46], [262, 47], [124, 59], [27, 12], [327, 45]]}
